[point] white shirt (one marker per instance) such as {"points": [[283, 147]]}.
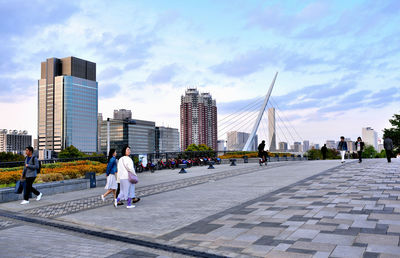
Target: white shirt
{"points": [[125, 166]]}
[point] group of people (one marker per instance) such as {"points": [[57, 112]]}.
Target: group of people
{"points": [[342, 148], [119, 182]]}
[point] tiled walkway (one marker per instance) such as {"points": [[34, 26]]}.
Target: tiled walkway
{"points": [[349, 211]]}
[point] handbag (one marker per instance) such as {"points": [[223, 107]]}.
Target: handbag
{"points": [[131, 177], [19, 186]]}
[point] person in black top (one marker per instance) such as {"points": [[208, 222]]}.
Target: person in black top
{"points": [[261, 153], [359, 148], [388, 145], [324, 150]]}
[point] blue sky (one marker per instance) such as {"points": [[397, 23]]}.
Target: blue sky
{"points": [[337, 60]]}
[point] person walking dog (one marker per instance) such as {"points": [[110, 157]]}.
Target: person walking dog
{"points": [[29, 174], [111, 171], [342, 147]]}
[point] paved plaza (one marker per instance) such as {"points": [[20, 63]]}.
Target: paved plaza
{"points": [[287, 209]]}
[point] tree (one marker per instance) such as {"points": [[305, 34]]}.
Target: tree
{"points": [[314, 154], [369, 152], [9, 156], [394, 132], [200, 147], [70, 152]]}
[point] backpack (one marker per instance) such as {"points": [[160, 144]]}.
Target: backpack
{"points": [[40, 166]]}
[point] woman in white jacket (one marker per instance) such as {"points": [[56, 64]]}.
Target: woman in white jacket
{"points": [[125, 166]]}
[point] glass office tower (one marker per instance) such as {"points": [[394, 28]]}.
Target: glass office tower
{"points": [[68, 104]]}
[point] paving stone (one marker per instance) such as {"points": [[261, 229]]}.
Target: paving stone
{"points": [[303, 233], [384, 249], [322, 247], [348, 251], [377, 239], [334, 239]]}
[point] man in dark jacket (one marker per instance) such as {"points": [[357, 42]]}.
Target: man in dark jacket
{"points": [[388, 145], [342, 147], [359, 148], [29, 175], [324, 150]]}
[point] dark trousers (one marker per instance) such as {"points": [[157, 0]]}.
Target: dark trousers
{"points": [[29, 188], [323, 155], [118, 189], [359, 155], [389, 155]]}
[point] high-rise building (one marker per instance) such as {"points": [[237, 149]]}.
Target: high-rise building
{"points": [[297, 146], [68, 104], [198, 115], [306, 145], [138, 134], [14, 141], [316, 146], [221, 145], [351, 146], [122, 114], [283, 146], [236, 141], [370, 137], [271, 129], [331, 144], [167, 139]]}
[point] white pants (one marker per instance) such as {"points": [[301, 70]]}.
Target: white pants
{"points": [[342, 153]]}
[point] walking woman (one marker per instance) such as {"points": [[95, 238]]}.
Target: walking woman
{"points": [[125, 166], [111, 185], [359, 148]]}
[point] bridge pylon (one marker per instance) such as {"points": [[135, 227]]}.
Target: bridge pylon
{"points": [[260, 115]]}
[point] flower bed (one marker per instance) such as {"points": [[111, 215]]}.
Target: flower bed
{"points": [[55, 171]]}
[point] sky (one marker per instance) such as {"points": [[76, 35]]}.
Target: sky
{"points": [[338, 61]]}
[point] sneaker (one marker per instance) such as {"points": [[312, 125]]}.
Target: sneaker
{"points": [[24, 202], [115, 203], [39, 197], [130, 206], [135, 200], [102, 198], [120, 203]]}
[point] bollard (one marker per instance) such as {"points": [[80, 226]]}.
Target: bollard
{"points": [[210, 164], [92, 177], [233, 162], [182, 167], [245, 159]]}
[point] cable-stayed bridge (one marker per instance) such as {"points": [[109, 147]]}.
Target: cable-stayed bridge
{"points": [[262, 119]]}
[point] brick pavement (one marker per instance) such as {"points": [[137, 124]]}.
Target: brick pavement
{"points": [[73, 206], [349, 211]]}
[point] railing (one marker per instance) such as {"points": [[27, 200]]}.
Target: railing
{"points": [[155, 156]]}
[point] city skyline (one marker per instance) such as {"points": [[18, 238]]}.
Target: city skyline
{"points": [[335, 77]]}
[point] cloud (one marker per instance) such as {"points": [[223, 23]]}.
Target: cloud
{"points": [[256, 60], [279, 19], [110, 73], [25, 17], [108, 90], [163, 75]]}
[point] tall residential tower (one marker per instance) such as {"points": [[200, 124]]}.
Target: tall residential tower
{"points": [[68, 104], [198, 119]]}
